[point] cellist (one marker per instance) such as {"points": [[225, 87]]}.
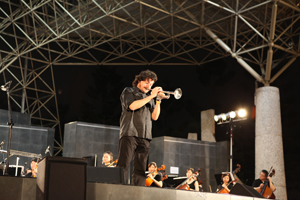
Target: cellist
{"points": [[192, 182], [259, 183], [154, 175], [224, 184]]}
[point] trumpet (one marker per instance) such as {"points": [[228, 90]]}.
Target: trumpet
{"points": [[177, 93]]}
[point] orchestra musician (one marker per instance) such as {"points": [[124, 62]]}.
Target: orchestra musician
{"points": [[34, 168], [192, 182], [138, 111], [154, 175], [224, 184], [259, 183], [107, 159]]}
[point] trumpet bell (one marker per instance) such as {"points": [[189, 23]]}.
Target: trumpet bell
{"points": [[178, 93]]}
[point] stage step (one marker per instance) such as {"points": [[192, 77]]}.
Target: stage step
{"points": [[18, 188]]}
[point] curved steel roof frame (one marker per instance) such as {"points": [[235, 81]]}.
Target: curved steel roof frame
{"points": [[262, 35]]}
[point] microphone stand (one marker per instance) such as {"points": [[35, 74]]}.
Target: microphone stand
{"points": [[9, 123]]}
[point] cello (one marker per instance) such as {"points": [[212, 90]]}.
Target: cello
{"points": [[224, 190], [183, 185], [266, 191], [149, 181]]}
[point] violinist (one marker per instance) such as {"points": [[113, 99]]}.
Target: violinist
{"points": [[154, 175], [259, 183], [224, 184], [34, 168], [192, 182], [107, 159]]}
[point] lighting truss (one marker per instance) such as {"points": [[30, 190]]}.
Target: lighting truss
{"points": [[35, 35]]}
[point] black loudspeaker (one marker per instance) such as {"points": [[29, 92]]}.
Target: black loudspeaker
{"points": [[244, 190], [105, 175], [61, 178]]}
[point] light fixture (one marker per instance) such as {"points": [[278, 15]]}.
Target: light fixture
{"points": [[224, 117], [242, 113], [231, 116], [216, 118]]}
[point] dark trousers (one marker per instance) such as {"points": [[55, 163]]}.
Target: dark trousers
{"points": [[138, 148]]}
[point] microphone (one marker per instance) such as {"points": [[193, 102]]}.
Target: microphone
{"points": [[6, 86]]}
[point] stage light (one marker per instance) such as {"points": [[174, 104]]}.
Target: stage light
{"points": [[242, 113], [216, 118], [224, 117], [230, 118], [232, 114]]}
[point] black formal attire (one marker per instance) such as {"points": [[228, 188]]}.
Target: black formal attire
{"points": [[135, 134], [257, 182], [158, 178], [192, 185], [29, 175], [220, 187]]}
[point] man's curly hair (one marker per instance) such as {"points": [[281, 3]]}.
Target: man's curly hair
{"points": [[144, 75]]}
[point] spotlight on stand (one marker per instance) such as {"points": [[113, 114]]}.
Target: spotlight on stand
{"points": [[229, 118], [237, 115]]}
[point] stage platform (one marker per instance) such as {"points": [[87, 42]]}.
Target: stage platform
{"points": [[18, 188]]}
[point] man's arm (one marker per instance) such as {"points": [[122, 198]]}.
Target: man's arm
{"points": [[256, 185], [272, 187], [196, 186], [156, 111], [141, 102]]}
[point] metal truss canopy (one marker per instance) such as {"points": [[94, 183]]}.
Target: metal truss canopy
{"points": [[262, 35]]}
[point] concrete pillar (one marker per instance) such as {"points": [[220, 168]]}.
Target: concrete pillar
{"points": [[268, 138], [208, 125]]}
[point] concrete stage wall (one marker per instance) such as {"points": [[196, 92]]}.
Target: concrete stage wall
{"points": [[17, 188], [83, 139], [211, 157]]}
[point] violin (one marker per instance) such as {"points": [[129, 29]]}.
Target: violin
{"points": [[149, 181], [113, 163], [183, 185], [266, 191], [224, 190]]}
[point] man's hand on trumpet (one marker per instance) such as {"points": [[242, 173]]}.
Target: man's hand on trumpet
{"points": [[155, 91], [161, 95]]}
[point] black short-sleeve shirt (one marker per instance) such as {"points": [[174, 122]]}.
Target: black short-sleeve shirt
{"points": [[158, 178], [220, 187], [137, 123], [192, 185], [257, 182]]}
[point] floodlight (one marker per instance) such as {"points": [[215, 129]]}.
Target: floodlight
{"points": [[232, 114], [242, 113]]}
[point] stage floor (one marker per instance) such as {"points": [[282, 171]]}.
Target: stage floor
{"points": [[17, 188]]}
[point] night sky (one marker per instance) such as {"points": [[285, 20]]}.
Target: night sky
{"points": [[91, 94]]}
